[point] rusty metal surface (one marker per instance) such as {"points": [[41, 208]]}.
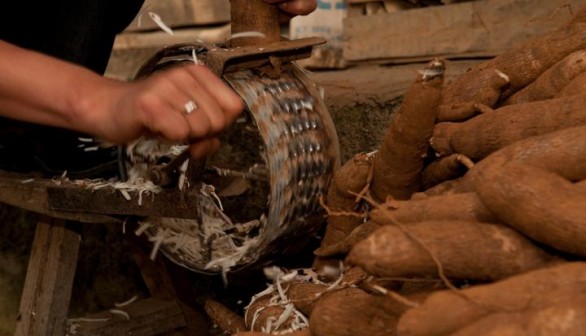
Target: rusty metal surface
{"points": [[301, 148], [221, 60], [300, 151]]}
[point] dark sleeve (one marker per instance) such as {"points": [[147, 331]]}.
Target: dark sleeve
{"points": [[79, 31]]}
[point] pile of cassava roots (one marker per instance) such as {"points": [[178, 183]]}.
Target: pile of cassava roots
{"points": [[470, 219]]}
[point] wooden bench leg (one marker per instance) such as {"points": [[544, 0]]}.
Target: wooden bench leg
{"points": [[158, 277], [162, 314], [44, 304]]}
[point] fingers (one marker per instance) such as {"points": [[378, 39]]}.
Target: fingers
{"points": [[160, 117], [294, 7], [298, 7], [206, 115], [188, 104], [230, 103], [204, 147], [214, 105]]}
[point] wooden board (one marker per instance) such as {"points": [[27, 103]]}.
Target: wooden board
{"points": [[478, 28], [147, 317], [177, 13], [22, 191], [47, 289], [132, 49], [159, 39]]}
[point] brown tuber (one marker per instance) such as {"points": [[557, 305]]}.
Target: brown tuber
{"points": [[446, 312], [224, 318], [564, 318], [562, 152], [303, 332], [465, 250], [344, 246], [353, 312], [342, 199], [549, 84], [484, 134], [444, 188], [461, 111], [305, 295], [459, 98], [460, 207], [399, 161], [575, 87], [542, 205], [444, 169], [521, 65], [262, 313]]}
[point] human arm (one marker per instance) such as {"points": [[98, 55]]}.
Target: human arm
{"points": [[40, 89]]}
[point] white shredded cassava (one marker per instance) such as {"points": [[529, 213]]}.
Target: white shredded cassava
{"points": [[245, 34], [120, 312], [290, 319], [205, 241], [157, 20], [189, 241], [127, 302]]}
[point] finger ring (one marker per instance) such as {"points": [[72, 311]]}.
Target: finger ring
{"points": [[190, 106]]}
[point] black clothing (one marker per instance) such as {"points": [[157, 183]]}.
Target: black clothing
{"points": [[78, 31]]}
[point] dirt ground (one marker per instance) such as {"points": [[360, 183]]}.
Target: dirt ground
{"points": [[105, 272]]}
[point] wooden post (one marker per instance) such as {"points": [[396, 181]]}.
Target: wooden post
{"points": [[254, 16], [44, 304], [162, 285]]}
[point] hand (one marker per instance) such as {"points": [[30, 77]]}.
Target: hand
{"points": [[292, 8], [157, 105], [44, 90]]}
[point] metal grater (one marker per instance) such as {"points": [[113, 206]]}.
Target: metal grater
{"points": [[298, 147]]}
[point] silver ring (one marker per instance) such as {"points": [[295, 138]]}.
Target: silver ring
{"points": [[190, 106]]}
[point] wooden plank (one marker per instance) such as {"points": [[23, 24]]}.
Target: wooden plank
{"points": [[74, 202], [391, 5], [132, 49], [147, 317], [159, 39], [485, 28], [47, 289], [108, 200], [355, 10], [28, 193], [181, 13], [154, 272], [162, 280]]}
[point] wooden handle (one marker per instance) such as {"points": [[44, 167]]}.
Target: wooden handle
{"points": [[254, 16]]}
